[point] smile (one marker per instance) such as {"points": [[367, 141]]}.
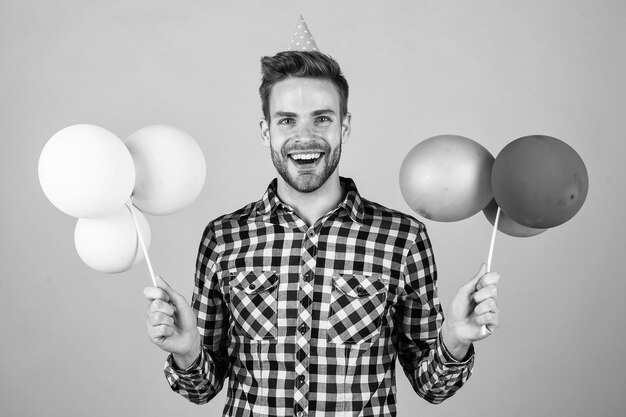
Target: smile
{"points": [[306, 159]]}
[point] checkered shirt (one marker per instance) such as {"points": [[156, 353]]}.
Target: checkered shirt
{"points": [[308, 321]]}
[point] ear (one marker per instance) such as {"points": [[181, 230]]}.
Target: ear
{"points": [[265, 132], [345, 128]]}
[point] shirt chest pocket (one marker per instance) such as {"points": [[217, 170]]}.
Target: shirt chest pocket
{"points": [[253, 303], [357, 304]]}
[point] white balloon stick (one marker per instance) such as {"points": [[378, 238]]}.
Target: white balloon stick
{"points": [[493, 239], [142, 243], [486, 327]]}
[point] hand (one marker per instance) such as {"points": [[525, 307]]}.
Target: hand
{"points": [[473, 314], [171, 323]]}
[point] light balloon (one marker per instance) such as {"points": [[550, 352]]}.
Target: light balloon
{"points": [[170, 169], [110, 244], [86, 171], [539, 181], [447, 178]]}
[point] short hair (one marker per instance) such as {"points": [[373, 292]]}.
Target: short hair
{"points": [[306, 64]]}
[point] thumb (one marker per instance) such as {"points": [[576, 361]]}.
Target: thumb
{"points": [[470, 286], [175, 298]]}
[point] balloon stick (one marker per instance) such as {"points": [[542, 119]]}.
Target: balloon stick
{"points": [[486, 328], [142, 242], [493, 239]]}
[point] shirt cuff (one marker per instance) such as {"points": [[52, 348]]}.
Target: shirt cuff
{"points": [[446, 356], [194, 368]]}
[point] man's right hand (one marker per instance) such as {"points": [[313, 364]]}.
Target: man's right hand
{"points": [[172, 324]]}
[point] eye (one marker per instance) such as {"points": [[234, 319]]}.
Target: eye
{"points": [[286, 121], [323, 120]]}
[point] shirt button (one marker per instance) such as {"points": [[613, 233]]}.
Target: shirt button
{"points": [[360, 290], [310, 233], [306, 277], [252, 286], [303, 328], [301, 379], [300, 414]]}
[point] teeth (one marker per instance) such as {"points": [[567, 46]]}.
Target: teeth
{"points": [[300, 156]]}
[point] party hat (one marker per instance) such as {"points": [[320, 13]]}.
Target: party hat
{"points": [[302, 38]]}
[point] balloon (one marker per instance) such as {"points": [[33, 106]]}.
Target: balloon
{"points": [[506, 225], [170, 169], [86, 171], [447, 178], [539, 181], [110, 244]]}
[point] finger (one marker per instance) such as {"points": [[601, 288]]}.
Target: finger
{"points": [[490, 291], [492, 320], [155, 293], [161, 306], [158, 333], [175, 298], [485, 331], [490, 278], [488, 306], [157, 319], [470, 286], [492, 327]]}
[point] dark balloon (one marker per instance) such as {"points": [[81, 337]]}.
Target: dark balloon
{"points": [[507, 225], [539, 181]]}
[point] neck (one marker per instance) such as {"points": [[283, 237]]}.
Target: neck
{"points": [[312, 206]]}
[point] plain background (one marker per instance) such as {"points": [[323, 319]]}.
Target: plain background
{"points": [[73, 340]]}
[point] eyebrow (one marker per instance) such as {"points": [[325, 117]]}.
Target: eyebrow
{"points": [[284, 114], [323, 111], [314, 113]]}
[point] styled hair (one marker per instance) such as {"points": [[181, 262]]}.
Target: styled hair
{"points": [[306, 64]]}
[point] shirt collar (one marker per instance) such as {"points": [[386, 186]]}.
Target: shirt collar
{"points": [[352, 202], [270, 201]]}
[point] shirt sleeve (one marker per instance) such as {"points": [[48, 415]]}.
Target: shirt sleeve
{"points": [[205, 377], [434, 374]]}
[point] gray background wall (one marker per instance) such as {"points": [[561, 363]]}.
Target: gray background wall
{"points": [[73, 340]]}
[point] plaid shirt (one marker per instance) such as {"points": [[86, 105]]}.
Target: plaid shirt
{"points": [[309, 320]]}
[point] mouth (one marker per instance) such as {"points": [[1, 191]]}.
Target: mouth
{"points": [[307, 159]]}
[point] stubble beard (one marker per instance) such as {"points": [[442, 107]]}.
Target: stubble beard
{"points": [[306, 183]]}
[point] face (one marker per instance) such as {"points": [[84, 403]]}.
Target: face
{"points": [[305, 131]]}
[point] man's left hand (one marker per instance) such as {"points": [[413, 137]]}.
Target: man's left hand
{"points": [[473, 314]]}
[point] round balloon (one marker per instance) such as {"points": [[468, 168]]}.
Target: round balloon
{"points": [[170, 169], [539, 181], [110, 244], [506, 225], [86, 171], [447, 178]]}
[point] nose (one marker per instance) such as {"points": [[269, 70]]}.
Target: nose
{"points": [[305, 132]]}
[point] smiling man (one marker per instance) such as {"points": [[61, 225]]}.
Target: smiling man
{"points": [[305, 299], [304, 132]]}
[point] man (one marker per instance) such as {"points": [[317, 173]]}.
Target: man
{"points": [[304, 298]]}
